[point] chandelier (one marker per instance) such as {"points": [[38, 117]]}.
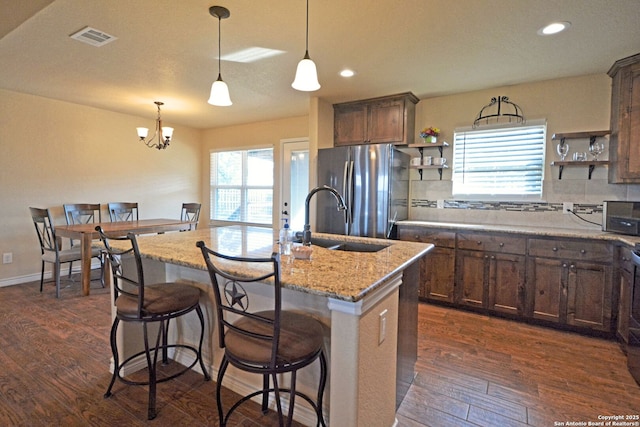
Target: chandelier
{"points": [[163, 134]]}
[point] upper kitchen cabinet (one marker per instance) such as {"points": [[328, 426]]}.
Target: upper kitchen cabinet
{"points": [[387, 119], [624, 141]]}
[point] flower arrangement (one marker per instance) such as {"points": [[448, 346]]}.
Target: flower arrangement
{"points": [[430, 131]]}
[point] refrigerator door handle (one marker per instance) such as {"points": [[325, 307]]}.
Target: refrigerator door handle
{"points": [[350, 197], [345, 196], [345, 180]]}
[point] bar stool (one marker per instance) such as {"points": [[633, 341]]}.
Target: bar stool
{"points": [[268, 342], [138, 302]]}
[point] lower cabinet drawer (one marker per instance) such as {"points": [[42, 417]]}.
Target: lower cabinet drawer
{"points": [[585, 250], [440, 238], [492, 243]]}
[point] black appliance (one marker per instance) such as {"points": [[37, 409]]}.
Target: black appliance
{"points": [[633, 348], [621, 217]]}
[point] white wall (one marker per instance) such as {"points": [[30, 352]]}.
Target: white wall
{"points": [[55, 152]]}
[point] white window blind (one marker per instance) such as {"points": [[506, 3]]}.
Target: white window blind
{"points": [[500, 161]]}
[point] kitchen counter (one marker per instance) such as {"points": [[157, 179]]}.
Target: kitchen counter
{"points": [[356, 295], [587, 233], [347, 276]]}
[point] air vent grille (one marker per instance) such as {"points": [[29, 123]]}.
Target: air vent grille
{"points": [[93, 37]]}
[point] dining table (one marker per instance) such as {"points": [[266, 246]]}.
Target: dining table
{"points": [[87, 233]]}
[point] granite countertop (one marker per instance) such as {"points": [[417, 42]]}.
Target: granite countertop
{"points": [[530, 230], [348, 276]]}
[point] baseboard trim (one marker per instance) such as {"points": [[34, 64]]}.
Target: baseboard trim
{"points": [[48, 275]]}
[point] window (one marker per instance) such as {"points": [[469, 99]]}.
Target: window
{"points": [[242, 186], [500, 161]]}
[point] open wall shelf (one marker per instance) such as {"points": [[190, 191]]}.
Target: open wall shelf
{"points": [[421, 147], [591, 164]]}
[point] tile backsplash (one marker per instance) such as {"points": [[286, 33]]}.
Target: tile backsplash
{"points": [[588, 216], [508, 206]]}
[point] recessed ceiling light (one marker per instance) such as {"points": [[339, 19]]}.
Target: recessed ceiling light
{"points": [[554, 28], [347, 73]]}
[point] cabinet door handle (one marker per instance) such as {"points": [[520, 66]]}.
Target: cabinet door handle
{"points": [[564, 265], [501, 244], [582, 251], [554, 249], [479, 242]]}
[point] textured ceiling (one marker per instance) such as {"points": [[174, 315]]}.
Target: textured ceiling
{"points": [[167, 50]]}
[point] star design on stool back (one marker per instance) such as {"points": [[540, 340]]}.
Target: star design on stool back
{"points": [[235, 294]]}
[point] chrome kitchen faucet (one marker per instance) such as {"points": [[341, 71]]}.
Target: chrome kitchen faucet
{"points": [[306, 234]]}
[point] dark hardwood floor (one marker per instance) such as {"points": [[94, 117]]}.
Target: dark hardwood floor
{"points": [[472, 370], [475, 370]]}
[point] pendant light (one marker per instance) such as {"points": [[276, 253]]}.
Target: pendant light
{"points": [[306, 74], [219, 89]]}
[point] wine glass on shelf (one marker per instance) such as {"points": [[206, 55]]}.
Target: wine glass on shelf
{"points": [[563, 150], [596, 149]]}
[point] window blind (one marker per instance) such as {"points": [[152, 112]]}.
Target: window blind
{"points": [[504, 161]]}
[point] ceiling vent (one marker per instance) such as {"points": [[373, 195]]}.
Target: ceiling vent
{"points": [[93, 37]]}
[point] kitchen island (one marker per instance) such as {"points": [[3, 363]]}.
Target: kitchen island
{"points": [[356, 295]]}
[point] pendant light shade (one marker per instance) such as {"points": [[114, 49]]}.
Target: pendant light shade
{"points": [[219, 90], [219, 94], [306, 74]]}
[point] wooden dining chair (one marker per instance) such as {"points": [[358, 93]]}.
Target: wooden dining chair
{"points": [[191, 212], [269, 343], [84, 213], [51, 249], [123, 211], [143, 303]]}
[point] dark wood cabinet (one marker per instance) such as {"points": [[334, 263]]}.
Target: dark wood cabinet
{"points": [[490, 271], [438, 267], [388, 119], [624, 141], [557, 280], [570, 282], [625, 275], [546, 289]]}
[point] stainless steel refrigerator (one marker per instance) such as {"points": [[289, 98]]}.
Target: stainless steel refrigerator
{"points": [[374, 182]]}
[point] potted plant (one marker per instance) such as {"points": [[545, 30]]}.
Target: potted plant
{"points": [[430, 134]]}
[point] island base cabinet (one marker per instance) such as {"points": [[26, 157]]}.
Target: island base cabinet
{"points": [[574, 293]]}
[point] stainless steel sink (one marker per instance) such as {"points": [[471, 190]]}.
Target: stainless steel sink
{"points": [[338, 245]]}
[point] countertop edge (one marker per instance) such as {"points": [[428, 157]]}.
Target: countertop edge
{"points": [[529, 230]]}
